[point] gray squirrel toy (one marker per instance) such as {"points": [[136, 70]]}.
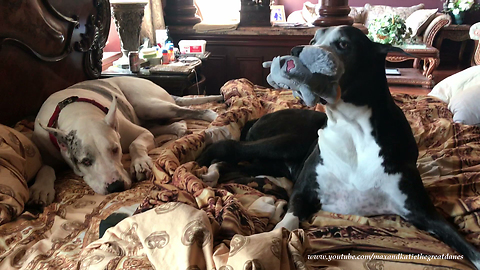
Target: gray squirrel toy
{"points": [[314, 70]]}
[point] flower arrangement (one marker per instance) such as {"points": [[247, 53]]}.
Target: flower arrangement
{"points": [[457, 6], [390, 29]]}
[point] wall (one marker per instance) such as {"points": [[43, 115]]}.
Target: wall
{"points": [[470, 18], [113, 41]]}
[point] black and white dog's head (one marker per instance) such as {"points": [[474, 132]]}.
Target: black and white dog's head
{"points": [[337, 59]]}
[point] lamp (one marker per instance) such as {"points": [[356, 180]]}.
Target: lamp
{"points": [[128, 17]]}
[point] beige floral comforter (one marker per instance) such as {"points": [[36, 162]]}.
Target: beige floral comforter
{"points": [[180, 223]]}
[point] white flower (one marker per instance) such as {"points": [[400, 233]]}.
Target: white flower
{"points": [[459, 5], [456, 11]]}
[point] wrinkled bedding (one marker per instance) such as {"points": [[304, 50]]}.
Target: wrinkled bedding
{"points": [[181, 223], [19, 162]]}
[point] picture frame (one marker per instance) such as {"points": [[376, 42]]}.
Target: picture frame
{"points": [[277, 14]]}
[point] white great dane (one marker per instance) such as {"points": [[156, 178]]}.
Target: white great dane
{"points": [[90, 124]]}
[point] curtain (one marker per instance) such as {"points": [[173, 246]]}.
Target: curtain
{"points": [[152, 20]]}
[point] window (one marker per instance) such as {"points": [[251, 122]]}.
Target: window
{"points": [[218, 11]]}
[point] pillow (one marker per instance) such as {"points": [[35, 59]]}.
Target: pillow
{"points": [[419, 20], [296, 17], [309, 12], [464, 106], [358, 14], [455, 84], [19, 162], [379, 11]]}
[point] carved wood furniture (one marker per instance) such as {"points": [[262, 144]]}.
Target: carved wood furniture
{"points": [[180, 12], [177, 84], [333, 12], [476, 54], [415, 76], [474, 33], [240, 53], [454, 32], [255, 13], [46, 46]]}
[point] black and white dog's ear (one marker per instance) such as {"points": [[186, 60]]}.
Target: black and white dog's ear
{"points": [[318, 34], [384, 49], [111, 117], [295, 51], [317, 59], [59, 134]]}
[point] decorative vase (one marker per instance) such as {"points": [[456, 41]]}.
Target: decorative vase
{"points": [[128, 17], [458, 18]]}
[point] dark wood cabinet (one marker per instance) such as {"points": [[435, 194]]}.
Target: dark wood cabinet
{"points": [[240, 53], [46, 46]]}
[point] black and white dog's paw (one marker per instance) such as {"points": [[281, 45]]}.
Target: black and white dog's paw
{"points": [[222, 150], [141, 168], [289, 222], [212, 176]]}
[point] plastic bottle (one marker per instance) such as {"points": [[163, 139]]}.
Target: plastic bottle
{"points": [[165, 56], [169, 40], [171, 54]]}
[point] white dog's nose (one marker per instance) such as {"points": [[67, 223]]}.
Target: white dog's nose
{"points": [[116, 186]]}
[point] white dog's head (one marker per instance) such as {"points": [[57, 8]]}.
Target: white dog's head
{"points": [[96, 156]]}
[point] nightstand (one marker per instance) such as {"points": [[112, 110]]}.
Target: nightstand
{"points": [[174, 82]]}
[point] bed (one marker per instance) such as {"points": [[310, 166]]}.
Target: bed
{"points": [[178, 222]]}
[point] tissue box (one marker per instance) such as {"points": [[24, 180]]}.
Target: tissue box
{"points": [[192, 47]]}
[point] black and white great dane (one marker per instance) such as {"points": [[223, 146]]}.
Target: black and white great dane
{"points": [[360, 158], [90, 124]]}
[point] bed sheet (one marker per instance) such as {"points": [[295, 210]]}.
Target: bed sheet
{"points": [[181, 223]]}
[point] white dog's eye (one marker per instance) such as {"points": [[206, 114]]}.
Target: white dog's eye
{"points": [[86, 162], [115, 150]]}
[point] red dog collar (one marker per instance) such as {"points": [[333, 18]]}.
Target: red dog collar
{"points": [[52, 123]]}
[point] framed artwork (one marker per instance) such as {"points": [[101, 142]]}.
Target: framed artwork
{"points": [[277, 13]]}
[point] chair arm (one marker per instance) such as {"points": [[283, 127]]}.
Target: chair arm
{"points": [[440, 21]]}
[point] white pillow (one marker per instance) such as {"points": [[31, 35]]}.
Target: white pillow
{"points": [[465, 106], [457, 83], [419, 20]]}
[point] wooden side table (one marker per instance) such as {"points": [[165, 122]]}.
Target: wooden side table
{"points": [[414, 75], [175, 83], [454, 32]]}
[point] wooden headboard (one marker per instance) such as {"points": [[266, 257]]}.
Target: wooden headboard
{"points": [[46, 46]]}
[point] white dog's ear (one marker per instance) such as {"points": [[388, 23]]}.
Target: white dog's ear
{"points": [[111, 117], [60, 135]]}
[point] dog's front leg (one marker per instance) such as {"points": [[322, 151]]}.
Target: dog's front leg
{"points": [[289, 222], [42, 192], [141, 164]]}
